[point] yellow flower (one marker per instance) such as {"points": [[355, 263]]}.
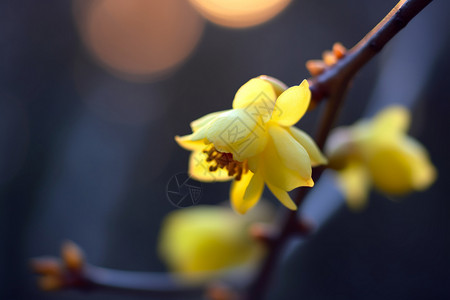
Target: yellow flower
{"points": [[378, 152], [255, 143], [201, 243]]}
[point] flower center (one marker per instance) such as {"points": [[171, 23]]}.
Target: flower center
{"points": [[225, 161]]}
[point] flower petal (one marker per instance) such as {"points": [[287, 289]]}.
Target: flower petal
{"points": [[282, 196], [424, 173], [277, 173], [199, 134], [278, 85], [236, 132], [354, 182], [391, 169], [316, 156], [199, 169], [187, 143], [292, 104], [254, 162], [291, 153], [200, 122], [391, 121], [257, 97], [246, 192], [251, 90]]}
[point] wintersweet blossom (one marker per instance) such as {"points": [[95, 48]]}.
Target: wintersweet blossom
{"points": [[255, 143], [206, 242], [378, 152]]}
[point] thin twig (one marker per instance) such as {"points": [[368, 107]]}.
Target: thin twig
{"points": [[326, 84], [72, 272], [333, 84], [150, 284]]}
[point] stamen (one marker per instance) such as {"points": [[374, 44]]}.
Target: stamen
{"points": [[231, 168], [225, 161]]}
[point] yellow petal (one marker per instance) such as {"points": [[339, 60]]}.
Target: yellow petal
{"points": [[246, 192], [355, 183], [187, 143], [282, 196], [424, 173], [195, 125], [291, 153], [391, 169], [391, 121], [237, 133], [257, 97], [278, 174], [199, 134], [316, 156], [278, 85], [199, 169], [254, 162], [292, 104]]}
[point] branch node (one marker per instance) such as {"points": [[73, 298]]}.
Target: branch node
{"points": [[305, 227], [220, 291], [262, 233]]}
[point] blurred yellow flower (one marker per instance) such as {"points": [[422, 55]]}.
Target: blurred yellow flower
{"points": [[201, 243], [378, 152], [256, 143]]}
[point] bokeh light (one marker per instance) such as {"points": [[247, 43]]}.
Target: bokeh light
{"points": [[138, 39], [239, 13]]}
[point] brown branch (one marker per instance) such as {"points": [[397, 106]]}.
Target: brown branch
{"points": [[148, 283], [333, 84], [72, 272], [340, 74]]}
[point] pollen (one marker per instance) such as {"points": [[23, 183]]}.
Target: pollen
{"points": [[220, 160]]}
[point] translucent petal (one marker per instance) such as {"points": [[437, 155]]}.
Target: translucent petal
{"points": [[291, 153], [277, 174], [254, 162], [391, 169], [237, 133], [246, 192], [199, 169], [199, 134], [282, 196], [355, 183], [257, 97], [195, 125], [424, 173], [292, 104], [316, 156], [278, 85], [391, 121], [187, 143]]}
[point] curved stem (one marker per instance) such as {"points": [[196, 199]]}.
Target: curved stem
{"points": [[333, 83], [156, 284], [340, 74]]}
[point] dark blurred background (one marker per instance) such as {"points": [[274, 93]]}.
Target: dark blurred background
{"points": [[93, 92]]}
